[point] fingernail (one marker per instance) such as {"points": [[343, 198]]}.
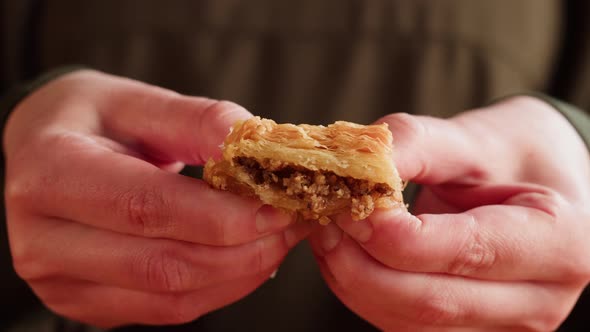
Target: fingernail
{"points": [[297, 232], [269, 219], [331, 237]]}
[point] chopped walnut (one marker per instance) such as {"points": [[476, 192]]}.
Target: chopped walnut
{"points": [[362, 206], [318, 188]]}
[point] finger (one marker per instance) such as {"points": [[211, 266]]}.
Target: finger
{"points": [[498, 242], [388, 320], [108, 306], [435, 299], [432, 151], [465, 197], [125, 194], [66, 249], [167, 125]]}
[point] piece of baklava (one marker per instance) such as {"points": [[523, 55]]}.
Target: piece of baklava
{"points": [[316, 171]]}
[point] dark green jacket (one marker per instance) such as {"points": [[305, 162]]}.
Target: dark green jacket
{"points": [[304, 61]]}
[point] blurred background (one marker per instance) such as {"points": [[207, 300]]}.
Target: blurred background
{"points": [[313, 61]]}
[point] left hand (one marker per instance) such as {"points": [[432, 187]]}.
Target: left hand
{"points": [[501, 232]]}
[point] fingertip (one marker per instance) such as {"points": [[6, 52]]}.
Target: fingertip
{"points": [[214, 124], [224, 114], [297, 232], [386, 231], [330, 237], [431, 150], [269, 219], [317, 237], [382, 224], [387, 216], [232, 112]]}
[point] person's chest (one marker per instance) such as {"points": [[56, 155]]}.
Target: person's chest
{"points": [[315, 61]]}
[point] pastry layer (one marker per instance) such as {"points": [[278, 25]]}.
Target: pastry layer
{"points": [[314, 170], [347, 149]]}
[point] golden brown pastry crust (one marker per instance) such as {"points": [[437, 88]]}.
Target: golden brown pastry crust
{"points": [[343, 149]]}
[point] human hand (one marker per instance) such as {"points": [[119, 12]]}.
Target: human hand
{"points": [[103, 228], [499, 240]]}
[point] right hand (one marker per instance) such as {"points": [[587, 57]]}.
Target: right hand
{"points": [[103, 228]]}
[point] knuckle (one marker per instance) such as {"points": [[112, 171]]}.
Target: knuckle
{"points": [[474, 257], [268, 253], [85, 316], [543, 199], [27, 266], [76, 313], [349, 279], [552, 203], [165, 271], [147, 211], [548, 320], [18, 192], [577, 267], [50, 295], [31, 186], [23, 266], [178, 309], [437, 308], [65, 310], [224, 230], [26, 191], [581, 272]]}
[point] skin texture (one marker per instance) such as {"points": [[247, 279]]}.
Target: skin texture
{"points": [[499, 235], [497, 241], [96, 208]]}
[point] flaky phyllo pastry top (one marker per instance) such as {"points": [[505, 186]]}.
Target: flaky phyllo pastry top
{"points": [[316, 171]]}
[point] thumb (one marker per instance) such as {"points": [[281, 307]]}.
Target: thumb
{"points": [[170, 127], [429, 150]]}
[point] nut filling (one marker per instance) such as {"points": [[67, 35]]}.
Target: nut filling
{"points": [[317, 188]]}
